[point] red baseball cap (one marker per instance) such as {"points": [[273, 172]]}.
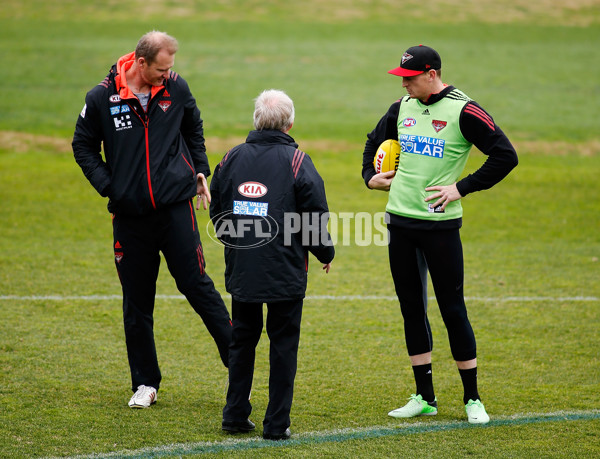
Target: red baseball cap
{"points": [[416, 60]]}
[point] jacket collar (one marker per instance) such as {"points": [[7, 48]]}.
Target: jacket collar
{"points": [[270, 136], [123, 64], [433, 98]]}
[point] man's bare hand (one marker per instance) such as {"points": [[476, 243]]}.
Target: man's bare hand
{"points": [[382, 181], [446, 195], [202, 192]]}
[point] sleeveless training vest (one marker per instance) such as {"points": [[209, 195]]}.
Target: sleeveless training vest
{"points": [[434, 152]]}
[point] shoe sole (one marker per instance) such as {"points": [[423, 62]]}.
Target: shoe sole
{"points": [[141, 406], [236, 429], [276, 437], [478, 422], [399, 416]]}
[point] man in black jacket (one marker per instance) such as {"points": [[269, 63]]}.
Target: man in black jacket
{"points": [[147, 120], [269, 209]]}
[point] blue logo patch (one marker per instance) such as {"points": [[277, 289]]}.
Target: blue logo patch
{"points": [[421, 145], [258, 209], [119, 109]]}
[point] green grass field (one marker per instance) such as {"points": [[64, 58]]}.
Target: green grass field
{"points": [[532, 243]]}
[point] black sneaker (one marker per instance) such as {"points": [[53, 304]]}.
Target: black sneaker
{"points": [[280, 436], [238, 426]]}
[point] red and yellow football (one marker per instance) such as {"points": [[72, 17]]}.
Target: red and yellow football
{"points": [[387, 156]]}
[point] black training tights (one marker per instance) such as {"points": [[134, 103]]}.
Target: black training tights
{"points": [[414, 252]]}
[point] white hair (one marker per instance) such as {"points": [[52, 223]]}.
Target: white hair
{"points": [[273, 109]]}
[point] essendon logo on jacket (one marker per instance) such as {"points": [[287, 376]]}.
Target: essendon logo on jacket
{"points": [[252, 189], [164, 104]]}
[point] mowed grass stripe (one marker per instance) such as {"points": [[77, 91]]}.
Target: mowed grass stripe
{"points": [[342, 435]]}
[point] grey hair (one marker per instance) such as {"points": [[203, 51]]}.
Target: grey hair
{"points": [[152, 42], [273, 109]]}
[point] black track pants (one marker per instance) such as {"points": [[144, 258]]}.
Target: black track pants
{"points": [[283, 329], [412, 253], [137, 243]]}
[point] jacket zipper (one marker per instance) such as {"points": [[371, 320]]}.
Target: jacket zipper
{"points": [[146, 123], [148, 164]]}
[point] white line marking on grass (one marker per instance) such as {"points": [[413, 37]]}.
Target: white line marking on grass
{"points": [[341, 435], [522, 299]]}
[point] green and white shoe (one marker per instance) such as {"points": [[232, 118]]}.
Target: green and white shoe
{"points": [[476, 412], [416, 406]]}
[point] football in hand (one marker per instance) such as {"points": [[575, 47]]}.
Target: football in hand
{"points": [[387, 156]]}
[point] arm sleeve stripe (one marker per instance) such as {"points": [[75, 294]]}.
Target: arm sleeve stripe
{"points": [[297, 161], [224, 158], [476, 109], [479, 113]]}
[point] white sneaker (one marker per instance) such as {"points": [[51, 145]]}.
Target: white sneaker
{"points": [[143, 398], [415, 407], [476, 412]]}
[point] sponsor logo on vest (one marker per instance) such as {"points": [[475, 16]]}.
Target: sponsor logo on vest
{"points": [[252, 189], [409, 122], [438, 125], [115, 98], [421, 145], [435, 210], [425, 112], [164, 104]]}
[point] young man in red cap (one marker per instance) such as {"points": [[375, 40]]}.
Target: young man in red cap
{"points": [[436, 125]]}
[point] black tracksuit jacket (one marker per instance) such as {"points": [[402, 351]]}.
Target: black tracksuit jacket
{"points": [[151, 157], [260, 266]]}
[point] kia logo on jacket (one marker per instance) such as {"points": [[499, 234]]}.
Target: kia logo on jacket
{"points": [[252, 189]]}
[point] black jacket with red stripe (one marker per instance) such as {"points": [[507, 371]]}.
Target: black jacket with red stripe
{"points": [[269, 209], [151, 157]]}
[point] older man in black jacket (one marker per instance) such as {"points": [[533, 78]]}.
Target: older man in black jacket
{"points": [[269, 209]]}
